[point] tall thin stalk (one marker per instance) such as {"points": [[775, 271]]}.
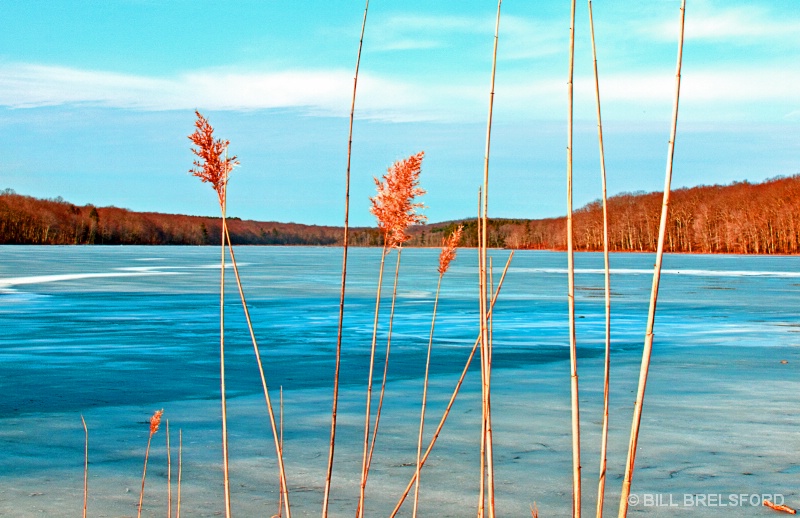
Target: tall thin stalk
{"points": [[386, 361], [482, 463], [648, 341], [601, 487], [223, 397], [334, 410], [573, 360], [446, 256], [367, 419], [267, 399], [395, 209], [85, 466], [280, 417], [485, 363], [169, 475], [211, 167], [180, 471], [455, 393], [155, 421]]}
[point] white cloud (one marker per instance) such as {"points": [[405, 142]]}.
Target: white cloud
{"points": [[729, 24], [327, 92]]}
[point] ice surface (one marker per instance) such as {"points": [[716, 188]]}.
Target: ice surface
{"points": [[720, 418]]}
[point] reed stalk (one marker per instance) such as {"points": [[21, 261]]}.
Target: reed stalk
{"points": [[334, 410], [453, 397], [280, 417], [446, 256], [482, 463], [395, 209], [648, 341], [364, 469], [85, 466], [601, 487], [180, 471], [223, 397], [386, 362], [211, 167], [485, 363], [155, 421], [262, 375], [169, 475], [573, 360]]}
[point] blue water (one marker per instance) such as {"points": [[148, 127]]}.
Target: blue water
{"points": [[116, 332]]}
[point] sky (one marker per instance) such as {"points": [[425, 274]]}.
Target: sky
{"points": [[97, 98]]}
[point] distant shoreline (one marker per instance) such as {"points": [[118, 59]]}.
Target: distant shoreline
{"points": [[741, 218]]}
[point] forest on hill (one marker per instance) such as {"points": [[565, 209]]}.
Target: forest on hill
{"points": [[742, 218]]}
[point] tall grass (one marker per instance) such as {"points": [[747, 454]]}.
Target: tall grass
{"points": [[395, 208], [486, 375], [455, 392], [213, 168], [648, 341], [573, 358], [446, 256], [345, 243], [155, 421], [601, 485]]}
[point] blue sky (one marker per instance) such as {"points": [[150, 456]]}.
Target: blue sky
{"points": [[97, 98]]}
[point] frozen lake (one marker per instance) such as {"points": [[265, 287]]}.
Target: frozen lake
{"points": [[115, 333]]}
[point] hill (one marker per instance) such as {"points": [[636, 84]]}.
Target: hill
{"points": [[746, 218]]}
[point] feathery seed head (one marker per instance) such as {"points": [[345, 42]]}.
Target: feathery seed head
{"points": [[213, 164], [394, 204], [155, 421], [449, 245]]}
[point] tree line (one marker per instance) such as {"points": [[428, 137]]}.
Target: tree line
{"points": [[744, 218]]}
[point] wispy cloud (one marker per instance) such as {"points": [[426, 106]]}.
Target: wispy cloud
{"points": [[327, 92], [731, 24]]}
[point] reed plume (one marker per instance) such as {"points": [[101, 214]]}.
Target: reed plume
{"points": [[215, 169], [155, 421], [446, 256], [395, 208], [214, 166]]}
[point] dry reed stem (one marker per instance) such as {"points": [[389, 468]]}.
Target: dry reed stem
{"points": [[482, 463], [782, 508], [386, 362], [573, 360], [262, 375], [280, 417], [85, 466], [486, 385], [425, 399], [601, 486], [223, 399], [214, 169], [648, 342], [455, 393], [169, 476], [180, 471], [334, 409], [446, 256], [360, 509], [155, 421]]}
